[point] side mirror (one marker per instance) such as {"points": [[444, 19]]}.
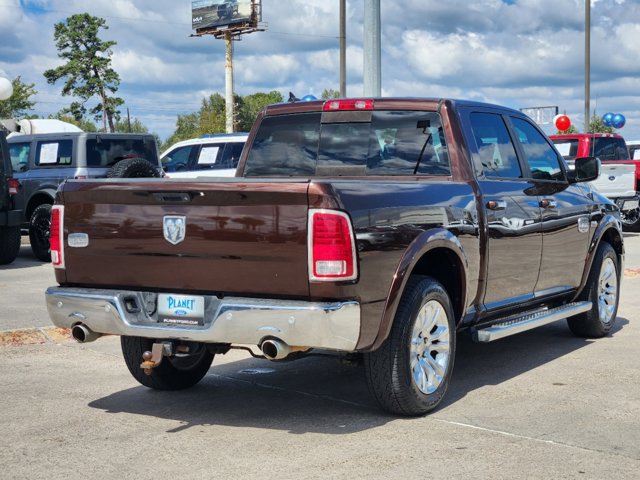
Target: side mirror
{"points": [[586, 169]]}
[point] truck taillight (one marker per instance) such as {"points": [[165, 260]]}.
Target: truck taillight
{"points": [[332, 247], [56, 238], [14, 184]]}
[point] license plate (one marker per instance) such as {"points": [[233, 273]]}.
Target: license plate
{"points": [[629, 204], [180, 309]]}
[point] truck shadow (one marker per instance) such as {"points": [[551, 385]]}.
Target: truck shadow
{"points": [[322, 395]]}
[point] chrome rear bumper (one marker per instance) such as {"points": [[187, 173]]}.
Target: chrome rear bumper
{"points": [[230, 320]]}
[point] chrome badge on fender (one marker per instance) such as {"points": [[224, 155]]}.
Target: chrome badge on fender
{"points": [[174, 228]]}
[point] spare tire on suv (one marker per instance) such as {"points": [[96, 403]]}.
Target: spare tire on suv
{"points": [[133, 168]]}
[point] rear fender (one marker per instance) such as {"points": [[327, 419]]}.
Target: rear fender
{"points": [[438, 238]]}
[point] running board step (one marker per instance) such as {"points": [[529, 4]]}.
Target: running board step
{"points": [[512, 325]]}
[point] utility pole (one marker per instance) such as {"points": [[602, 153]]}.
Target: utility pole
{"points": [[587, 63], [228, 69], [372, 76], [343, 48]]}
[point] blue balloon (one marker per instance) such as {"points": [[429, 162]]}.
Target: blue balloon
{"points": [[309, 98], [618, 120], [607, 118]]}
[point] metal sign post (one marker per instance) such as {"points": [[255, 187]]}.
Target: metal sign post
{"points": [[228, 19]]}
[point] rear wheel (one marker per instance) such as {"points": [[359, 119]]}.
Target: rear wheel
{"points": [[409, 374], [603, 291], [39, 231], [173, 373], [9, 244]]}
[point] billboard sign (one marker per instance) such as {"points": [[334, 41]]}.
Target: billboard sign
{"points": [[223, 13]]}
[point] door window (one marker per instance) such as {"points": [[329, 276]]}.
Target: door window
{"points": [[209, 157], [497, 153], [540, 156]]}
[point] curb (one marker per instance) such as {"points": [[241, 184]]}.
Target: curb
{"points": [[34, 336]]}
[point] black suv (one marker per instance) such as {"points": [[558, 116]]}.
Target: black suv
{"points": [[10, 217], [41, 162]]}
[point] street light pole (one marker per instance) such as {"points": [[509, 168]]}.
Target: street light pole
{"points": [[343, 48], [372, 76], [587, 63]]}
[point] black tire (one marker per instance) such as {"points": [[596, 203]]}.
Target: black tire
{"points": [[39, 230], [630, 220], [173, 373], [603, 291], [9, 244], [392, 370], [133, 168]]}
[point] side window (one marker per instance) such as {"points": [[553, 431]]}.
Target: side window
{"points": [[177, 160], [542, 159], [497, 154], [54, 153], [231, 155], [209, 157], [19, 153]]}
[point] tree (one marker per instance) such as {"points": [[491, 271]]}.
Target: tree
{"points": [[250, 106], [596, 125], [134, 126], [20, 101], [87, 72], [329, 94]]}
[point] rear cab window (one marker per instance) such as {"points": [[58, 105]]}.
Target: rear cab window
{"points": [[393, 142]]}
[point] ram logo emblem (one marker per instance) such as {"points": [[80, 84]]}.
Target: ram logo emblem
{"points": [[174, 228]]}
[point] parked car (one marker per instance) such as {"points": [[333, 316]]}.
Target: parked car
{"points": [[41, 162], [209, 156], [634, 149], [10, 217], [620, 176]]}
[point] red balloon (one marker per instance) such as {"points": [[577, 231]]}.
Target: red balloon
{"points": [[563, 123]]}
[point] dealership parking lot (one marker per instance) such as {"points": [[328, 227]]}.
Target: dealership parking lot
{"points": [[543, 404]]}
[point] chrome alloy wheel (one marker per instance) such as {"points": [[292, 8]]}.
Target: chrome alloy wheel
{"points": [[429, 355], [607, 290]]}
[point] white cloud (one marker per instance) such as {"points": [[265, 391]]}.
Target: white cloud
{"points": [[530, 52]]}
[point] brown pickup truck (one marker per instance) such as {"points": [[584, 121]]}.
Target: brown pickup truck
{"points": [[373, 228]]}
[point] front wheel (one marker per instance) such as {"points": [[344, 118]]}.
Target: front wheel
{"points": [[603, 291], [173, 373], [39, 231], [409, 374]]}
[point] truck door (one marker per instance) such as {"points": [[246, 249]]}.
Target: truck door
{"points": [[565, 208], [513, 234]]}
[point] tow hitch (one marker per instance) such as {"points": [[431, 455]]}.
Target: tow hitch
{"points": [[152, 359]]}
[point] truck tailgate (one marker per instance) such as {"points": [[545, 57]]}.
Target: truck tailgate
{"points": [[616, 180], [239, 237]]}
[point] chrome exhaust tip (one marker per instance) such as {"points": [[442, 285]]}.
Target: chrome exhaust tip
{"points": [[83, 334], [274, 349]]}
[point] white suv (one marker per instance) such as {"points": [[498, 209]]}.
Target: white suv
{"points": [[209, 156]]}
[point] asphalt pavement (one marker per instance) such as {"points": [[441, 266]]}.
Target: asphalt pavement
{"points": [[539, 405]]}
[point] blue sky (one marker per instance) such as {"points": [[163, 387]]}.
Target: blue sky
{"points": [[519, 53]]}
